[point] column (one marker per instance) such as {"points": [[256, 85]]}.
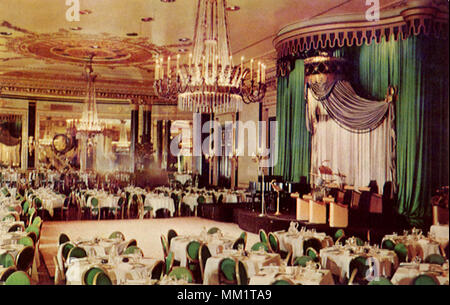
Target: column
{"points": [[147, 124], [159, 140], [134, 134]]}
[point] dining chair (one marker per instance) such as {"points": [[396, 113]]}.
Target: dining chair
{"points": [[402, 252], [165, 245], [26, 241], [339, 236], [35, 229], [244, 236], [425, 279], [381, 281], [7, 260], [301, 260], [88, 276], [238, 242], [7, 272], [388, 244], [358, 268], [132, 242], [171, 234], [179, 273], [263, 237], [273, 243], [213, 230], [241, 273], [435, 259], [101, 278], [16, 227], [227, 272], [58, 277], [192, 256], [169, 260], [18, 278], [283, 281], [260, 245], [312, 242], [134, 250], [311, 252], [77, 252], [24, 259], [117, 235]]}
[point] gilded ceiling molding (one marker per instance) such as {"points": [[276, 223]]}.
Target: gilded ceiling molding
{"points": [[406, 18]]}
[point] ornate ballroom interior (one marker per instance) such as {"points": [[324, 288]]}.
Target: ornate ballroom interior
{"points": [[256, 117]]}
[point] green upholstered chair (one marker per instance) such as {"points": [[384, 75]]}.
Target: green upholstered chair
{"points": [[169, 262], [18, 278], [201, 199], [388, 244], [402, 252], [132, 242], [339, 235], [273, 243], [66, 249], [181, 273], [7, 260], [241, 273], [24, 258], [26, 241], [260, 245], [192, 255], [9, 217], [227, 271], [16, 227], [359, 241], [117, 235], [88, 276], [101, 278], [213, 230], [25, 207], [165, 245], [171, 234], [95, 209], [33, 236], [77, 252], [311, 252], [203, 255], [314, 243], [63, 238], [302, 260], [134, 250], [435, 259], [358, 269], [282, 282], [239, 242], [157, 270], [7, 272], [37, 221], [425, 279], [380, 281], [35, 229], [244, 236], [263, 236]]}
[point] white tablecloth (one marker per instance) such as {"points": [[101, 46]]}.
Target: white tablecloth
{"points": [[159, 202], [295, 241], [182, 178], [407, 272], [417, 246], [337, 259], [441, 233]]}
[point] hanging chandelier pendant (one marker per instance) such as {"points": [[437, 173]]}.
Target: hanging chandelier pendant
{"points": [[207, 81]]}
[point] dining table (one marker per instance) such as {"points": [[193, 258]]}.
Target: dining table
{"points": [[440, 233], [293, 239], [298, 275], [417, 244], [216, 243], [253, 261], [338, 258]]}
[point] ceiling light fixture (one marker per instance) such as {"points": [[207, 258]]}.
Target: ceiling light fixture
{"points": [[208, 81], [147, 19]]}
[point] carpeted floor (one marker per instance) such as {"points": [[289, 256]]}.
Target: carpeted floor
{"points": [[147, 233]]}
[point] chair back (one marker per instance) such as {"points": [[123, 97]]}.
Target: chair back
{"points": [[33, 228], [88, 276], [117, 235], [282, 282], [203, 255], [302, 260], [77, 252], [227, 271], [260, 245], [165, 245], [237, 242], [402, 252], [25, 258], [7, 260], [169, 262], [171, 234], [435, 259], [263, 236], [339, 234], [7, 272], [26, 241], [66, 249], [388, 244], [241, 274], [273, 243], [192, 250], [360, 265], [63, 238], [101, 278], [181, 273], [16, 227], [311, 252], [314, 243], [157, 270], [18, 278], [425, 279], [213, 230], [134, 250]]}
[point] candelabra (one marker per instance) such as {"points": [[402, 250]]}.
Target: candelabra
{"points": [[258, 157]]}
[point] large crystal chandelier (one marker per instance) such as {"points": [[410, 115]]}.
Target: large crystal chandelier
{"points": [[207, 81], [89, 125]]}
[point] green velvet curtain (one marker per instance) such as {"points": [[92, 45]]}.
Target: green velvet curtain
{"points": [[293, 138], [418, 65]]}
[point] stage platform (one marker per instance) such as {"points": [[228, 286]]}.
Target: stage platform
{"points": [[250, 221]]}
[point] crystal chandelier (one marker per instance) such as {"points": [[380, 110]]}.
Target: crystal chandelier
{"points": [[89, 124], [208, 82]]}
